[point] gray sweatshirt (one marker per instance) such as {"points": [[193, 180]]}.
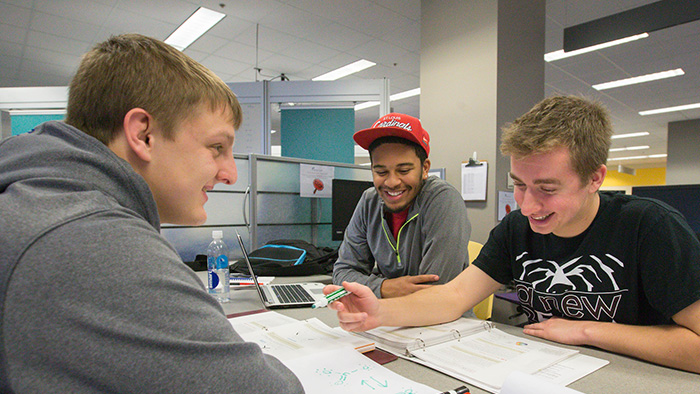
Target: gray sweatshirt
{"points": [[93, 298], [433, 240]]}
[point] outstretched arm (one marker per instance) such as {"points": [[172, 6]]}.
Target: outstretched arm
{"points": [[405, 285], [361, 310], [676, 346]]}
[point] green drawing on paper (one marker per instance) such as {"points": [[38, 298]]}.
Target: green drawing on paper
{"points": [[373, 383], [360, 377]]}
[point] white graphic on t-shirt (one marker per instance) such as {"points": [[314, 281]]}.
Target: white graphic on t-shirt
{"points": [[562, 274], [579, 288]]}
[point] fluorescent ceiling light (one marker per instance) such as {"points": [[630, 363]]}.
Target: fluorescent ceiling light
{"points": [[345, 70], [560, 54], [639, 157], [37, 112], [194, 27], [366, 104], [630, 148], [640, 79], [393, 97], [669, 109], [630, 135], [406, 94]]}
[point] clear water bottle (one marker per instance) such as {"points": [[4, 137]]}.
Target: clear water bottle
{"points": [[217, 266]]}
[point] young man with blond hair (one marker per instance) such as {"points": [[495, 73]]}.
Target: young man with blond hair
{"points": [[93, 298], [614, 271]]}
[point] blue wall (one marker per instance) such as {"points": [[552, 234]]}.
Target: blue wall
{"points": [[25, 123], [318, 134]]}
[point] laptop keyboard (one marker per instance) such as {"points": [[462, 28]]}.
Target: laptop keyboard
{"points": [[292, 293]]}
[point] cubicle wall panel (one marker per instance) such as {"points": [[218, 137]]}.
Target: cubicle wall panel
{"points": [[224, 209], [284, 209], [284, 176], [325, 211], [291, 208], [360, 174], [280, 211], [305, 233], [278, 176], [324, 235], [192, 241]]}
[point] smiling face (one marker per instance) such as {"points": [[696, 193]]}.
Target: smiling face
{"points": [[551, 195], [184, 168], [397, 174]]}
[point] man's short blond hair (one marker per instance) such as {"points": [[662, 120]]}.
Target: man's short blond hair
{"points": [[581, 125], [134, 71]]}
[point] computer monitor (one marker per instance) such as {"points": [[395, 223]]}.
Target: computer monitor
{"points": [[682, 197], [345, 195]]}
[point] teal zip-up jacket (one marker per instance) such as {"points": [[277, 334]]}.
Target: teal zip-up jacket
{"points": [[433, 240]]}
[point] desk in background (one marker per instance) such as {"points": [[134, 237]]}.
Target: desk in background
{"points": [[622, 375]]}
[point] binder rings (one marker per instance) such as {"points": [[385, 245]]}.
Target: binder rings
{"points": [[476, 352]]}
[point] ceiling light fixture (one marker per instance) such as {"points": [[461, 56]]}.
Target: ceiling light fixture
{"points": [[639, 79], [640, 147], [37, 111], [365, 105], [560, 54], [669, 109], [393, 97], [194, 27], [630, 135], [658, 156], [345, 70], [406, 94]]}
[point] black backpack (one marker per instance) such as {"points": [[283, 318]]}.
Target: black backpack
{"points": [[289, 257]]}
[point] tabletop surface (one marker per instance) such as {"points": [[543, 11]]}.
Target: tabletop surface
{"points": [[622, 375]]}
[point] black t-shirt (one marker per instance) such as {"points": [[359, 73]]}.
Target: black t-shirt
{"points": [[637, 263]]}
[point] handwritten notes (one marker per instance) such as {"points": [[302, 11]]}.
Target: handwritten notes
{"points": [[326, 360], [347, 371]]}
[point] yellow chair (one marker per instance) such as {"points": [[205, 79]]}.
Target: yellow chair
{"points": [[483, 309]]}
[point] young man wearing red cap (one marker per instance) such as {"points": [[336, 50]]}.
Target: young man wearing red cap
{"points": [[410, 230]]}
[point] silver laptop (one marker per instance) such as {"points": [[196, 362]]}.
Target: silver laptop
{"points": [[292, 295]]}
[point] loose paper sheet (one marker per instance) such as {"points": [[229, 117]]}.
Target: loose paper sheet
{"points": [[315, 180], [522, 383], [474, 181], [344, 370], [506, 204], [326, 360]]}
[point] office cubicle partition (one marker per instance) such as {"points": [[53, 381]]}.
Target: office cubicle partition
{"points": [[264, 205]]}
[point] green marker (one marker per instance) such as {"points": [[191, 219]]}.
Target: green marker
{"points": [[334, 296]]}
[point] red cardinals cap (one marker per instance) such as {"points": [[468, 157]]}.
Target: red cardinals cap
{"points": [[395, 125]]}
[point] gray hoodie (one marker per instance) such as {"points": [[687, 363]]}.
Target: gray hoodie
{"points": [[93, 298], [434, 239]]}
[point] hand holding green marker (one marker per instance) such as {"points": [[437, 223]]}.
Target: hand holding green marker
{"points": [[334, 296]]}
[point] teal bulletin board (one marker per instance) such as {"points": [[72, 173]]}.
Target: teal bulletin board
{"points": [[318, 134], [25, 123]]}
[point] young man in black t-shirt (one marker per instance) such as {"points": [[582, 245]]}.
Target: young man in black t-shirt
{"points": [[617, 272]]}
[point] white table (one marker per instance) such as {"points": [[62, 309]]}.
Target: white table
{"points": [[622, 375]]}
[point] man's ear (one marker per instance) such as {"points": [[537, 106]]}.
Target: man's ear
{"points": [[138, 130], [598, 177], [426, 168]]}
